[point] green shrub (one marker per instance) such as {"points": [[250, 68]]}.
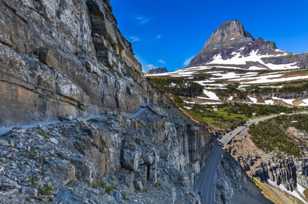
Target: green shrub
{"points": [[157, 184], [178, 101], [33, 181], [125, 195], [33, 153], [177, 86], [101, 184], [42, 133], [228, 116], [46, 190]]}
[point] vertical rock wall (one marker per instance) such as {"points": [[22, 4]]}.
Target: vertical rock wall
{"points": [[65, 57]]}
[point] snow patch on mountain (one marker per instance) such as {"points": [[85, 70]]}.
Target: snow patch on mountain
{"points": [[254, 56], [268, 79], [269, 102], [304, 102], [287, 101], [211, 95], [253, 99]]}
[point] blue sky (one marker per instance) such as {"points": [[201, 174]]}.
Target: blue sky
{"points": [[169, 32]]}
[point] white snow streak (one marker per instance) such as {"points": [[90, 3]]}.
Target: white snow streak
{"points": [[211, 95], [239, 59]]}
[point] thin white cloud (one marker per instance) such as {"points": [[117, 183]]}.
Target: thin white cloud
{"points": [[159, 36], [134, 39], [142, 20], [187, 61], [161, 61]]}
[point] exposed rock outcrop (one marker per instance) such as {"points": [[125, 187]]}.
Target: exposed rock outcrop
{"points": [[280, 171], [276, 167], [110, 158], [240, 188], [227, 35]]}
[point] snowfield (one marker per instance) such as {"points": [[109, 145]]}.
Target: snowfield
{"points": [[287, 101], [205, 82], [221, 74], [304, 102], [254, 56], [253, 99], [248, 77], [211, 95], [269, 102], [266, 79], [233, 75]]}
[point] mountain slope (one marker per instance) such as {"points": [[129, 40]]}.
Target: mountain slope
{"points": [[234, 66], [232, 45]]}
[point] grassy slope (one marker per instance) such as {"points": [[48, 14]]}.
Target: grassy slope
{"points": [[225, 116], [228, 116], [272, 135]]}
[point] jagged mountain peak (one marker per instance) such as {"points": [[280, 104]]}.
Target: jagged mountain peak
{"points": [[228, 33], [232, 45]]}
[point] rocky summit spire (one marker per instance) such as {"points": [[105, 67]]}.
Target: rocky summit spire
{"points": [[232, 39], [228, 33]]}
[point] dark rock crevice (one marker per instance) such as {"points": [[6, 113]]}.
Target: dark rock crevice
{"points": [[98, 32]]}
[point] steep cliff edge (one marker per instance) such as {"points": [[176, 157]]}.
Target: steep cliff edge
{"points": [[94, 131]]}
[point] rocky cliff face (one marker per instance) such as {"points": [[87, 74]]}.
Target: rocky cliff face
{"points": [[63, 58], [234, 186], [277, 168], [232, 45], [229, 34], [110, 158], [281, 171], [67, 59]]}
